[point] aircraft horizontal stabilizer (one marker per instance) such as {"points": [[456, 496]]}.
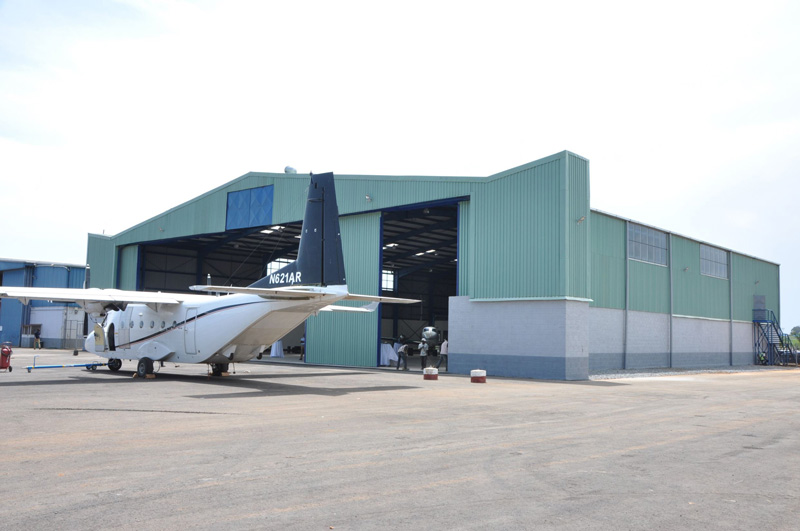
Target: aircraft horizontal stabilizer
{"points": [[375, 298], [299, 293], [371, 307]]}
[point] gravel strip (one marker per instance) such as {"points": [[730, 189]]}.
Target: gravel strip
{"points": [[615, 374]]}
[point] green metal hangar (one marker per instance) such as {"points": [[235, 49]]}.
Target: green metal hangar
{"points": [[526, 280]]}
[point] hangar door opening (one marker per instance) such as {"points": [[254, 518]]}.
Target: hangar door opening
{"points": [[419, 261], [237, 257]]}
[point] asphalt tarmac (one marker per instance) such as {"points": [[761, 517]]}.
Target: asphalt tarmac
{"points": [[279, 446]]}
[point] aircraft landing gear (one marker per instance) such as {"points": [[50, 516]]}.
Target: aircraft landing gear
{"points": [[144, 368], [218, 368], [114, 364]]}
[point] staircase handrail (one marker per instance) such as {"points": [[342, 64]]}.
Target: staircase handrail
{"points": [[763, 315], [778, 343]]}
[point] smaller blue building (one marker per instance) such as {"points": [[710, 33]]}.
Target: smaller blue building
{"points": [[61, 325]]}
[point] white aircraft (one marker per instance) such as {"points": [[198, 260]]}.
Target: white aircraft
{"points": [[217, 330]]}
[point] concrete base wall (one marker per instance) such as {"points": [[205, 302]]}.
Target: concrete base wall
{"points": [[696, 342], [565, 340], [743, 344], [605, 339], [648, 340], [524, 339], [701, 343]]}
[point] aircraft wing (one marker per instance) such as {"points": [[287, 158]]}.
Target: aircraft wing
{"points": [[91, 298]]}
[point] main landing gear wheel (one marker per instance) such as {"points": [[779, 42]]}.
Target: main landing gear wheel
{"points": [[218, 368], [144, 368], [114, 364]]}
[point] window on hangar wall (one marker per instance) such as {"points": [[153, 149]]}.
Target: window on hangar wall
{"points": [[647, 245], [713, 262], [276, 265], [388, 280]]}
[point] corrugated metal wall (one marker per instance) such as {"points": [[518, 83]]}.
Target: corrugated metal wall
{"points": [[648, 286], [56, 276], [519, 235], [351, 338], [128, 267], [389, 192], [13, 314], [754, 277], [202, 215], [608, 261], [578, 223], [693, 293], [466, 230], [102, 259]]}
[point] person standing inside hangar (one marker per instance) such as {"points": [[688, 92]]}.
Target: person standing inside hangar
{"points": [[423, 353]]}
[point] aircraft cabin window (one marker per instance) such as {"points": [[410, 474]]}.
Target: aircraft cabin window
{"points": [[141, 324], [174, 324], [152, 324], [163, 324], [131, 324]]}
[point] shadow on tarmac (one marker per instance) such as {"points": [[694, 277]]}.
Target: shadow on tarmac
{"points": [[254, 385]]}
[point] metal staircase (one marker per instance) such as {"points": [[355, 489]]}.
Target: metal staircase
{"points": [[771, 346]]}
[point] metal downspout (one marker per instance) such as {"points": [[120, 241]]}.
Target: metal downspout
{"points": [[779, 298], [671, 301], [730, 308], [627, 301], [27, 280]]}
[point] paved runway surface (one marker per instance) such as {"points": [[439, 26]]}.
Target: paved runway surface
{"points": [[301, 447]]}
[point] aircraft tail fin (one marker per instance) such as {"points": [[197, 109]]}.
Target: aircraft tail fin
{"points": [[320, 260]]}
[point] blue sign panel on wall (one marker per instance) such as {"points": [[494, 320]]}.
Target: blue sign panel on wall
{"points": [[249, 208]]}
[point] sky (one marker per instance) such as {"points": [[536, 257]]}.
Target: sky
{"points": [[112, 112]]}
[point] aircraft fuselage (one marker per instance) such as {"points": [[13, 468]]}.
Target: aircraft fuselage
{"points": [[203, 329]]}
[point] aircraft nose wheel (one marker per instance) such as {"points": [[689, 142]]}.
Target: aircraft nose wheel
{"points": [[114, 365], [144, 367]]}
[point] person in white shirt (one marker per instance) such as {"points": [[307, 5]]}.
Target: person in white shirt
{"points": [[442, 354], [423, 353], [402, 353]]}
